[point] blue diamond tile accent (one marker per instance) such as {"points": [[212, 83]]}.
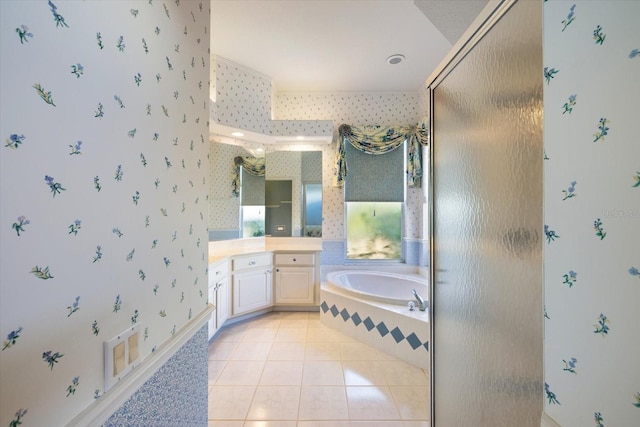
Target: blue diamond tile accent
{"points": [[382, 329], [355, 318], [397, 334], [324, 306], [368, 323], [414, 341], [334, 310]]}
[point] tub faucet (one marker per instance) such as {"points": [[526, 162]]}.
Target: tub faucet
{"points": [[422, 304]]}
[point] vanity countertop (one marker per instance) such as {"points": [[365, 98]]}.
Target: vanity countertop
{"points": [[223, 249]]}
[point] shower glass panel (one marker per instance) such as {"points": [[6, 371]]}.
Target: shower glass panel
{"points": [[487, 194]]}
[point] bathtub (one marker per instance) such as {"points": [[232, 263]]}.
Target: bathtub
{"points": [[390, 288], [372, 307]]}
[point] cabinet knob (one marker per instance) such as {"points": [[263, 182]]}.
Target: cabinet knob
{"points": [[277, 270], [294, 260], [252, 263]]}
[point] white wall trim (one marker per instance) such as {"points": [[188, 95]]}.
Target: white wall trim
{"points": [[547, 421], [100, 410]]}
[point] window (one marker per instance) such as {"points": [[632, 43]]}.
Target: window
{"points": [[252, 221], [374, 230], [374, 197]]}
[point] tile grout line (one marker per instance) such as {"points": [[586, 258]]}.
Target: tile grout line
{"points": [[303, 359], [302, 374]]}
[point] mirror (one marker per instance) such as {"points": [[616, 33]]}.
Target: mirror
{"points": [[279, 207], [295, 211], [299, 169]]}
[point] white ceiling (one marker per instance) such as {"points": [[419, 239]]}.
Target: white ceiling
{"points": [[339, 45]]}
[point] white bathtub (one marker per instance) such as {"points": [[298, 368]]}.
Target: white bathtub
{"points": [[371, 307], [378, 286]]}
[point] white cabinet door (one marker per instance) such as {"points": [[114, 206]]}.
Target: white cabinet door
{"points": [[251, 291], [223, 301], [295, 285]]}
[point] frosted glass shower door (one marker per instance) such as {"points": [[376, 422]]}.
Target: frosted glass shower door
{"points": [[487, 212]]}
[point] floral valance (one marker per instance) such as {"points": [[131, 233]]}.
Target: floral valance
{"points": [[252, 165], [375, 139]]}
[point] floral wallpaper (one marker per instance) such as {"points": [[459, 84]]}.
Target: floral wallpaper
{"points": [[592, 212], [301, 127], [311, 166], [364, 108], [104, 174], [242, 97]]}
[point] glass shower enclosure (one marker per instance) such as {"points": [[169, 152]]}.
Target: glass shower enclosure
{"points": [[486, 231]]}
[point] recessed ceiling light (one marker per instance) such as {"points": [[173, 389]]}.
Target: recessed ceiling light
{"points": [[238, 134], [300, 138], [395, 59]]}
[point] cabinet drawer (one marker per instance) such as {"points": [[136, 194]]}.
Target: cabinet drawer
{"points": [[218, 271], [295, 259], [251, 261]]}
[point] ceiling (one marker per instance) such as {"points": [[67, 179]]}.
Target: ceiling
{"points": [[340, 45]]}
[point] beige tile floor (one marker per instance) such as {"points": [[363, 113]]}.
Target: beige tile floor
{"points": [[286, 369]]}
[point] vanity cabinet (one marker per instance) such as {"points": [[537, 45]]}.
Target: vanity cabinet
{"points": [[252, 283], [295, 278], [218, 295]]}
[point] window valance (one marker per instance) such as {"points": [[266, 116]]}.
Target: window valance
{"points": [[375, 139], [252, 165]]}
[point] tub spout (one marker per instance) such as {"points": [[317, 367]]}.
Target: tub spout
{"points": [[422, 304]]}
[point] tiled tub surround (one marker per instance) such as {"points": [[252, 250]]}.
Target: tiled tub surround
{"points": [[390, 328], [286, 369]]}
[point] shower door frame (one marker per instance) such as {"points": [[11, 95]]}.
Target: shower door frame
{"points": [[483, 24]]}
